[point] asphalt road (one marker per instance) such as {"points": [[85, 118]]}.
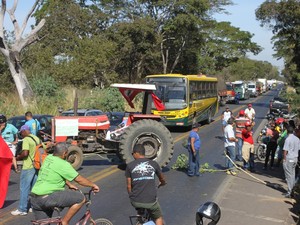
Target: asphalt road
{"points": [[181, 196]]}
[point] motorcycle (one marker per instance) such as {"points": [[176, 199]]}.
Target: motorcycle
{"points": [[263, 140]]}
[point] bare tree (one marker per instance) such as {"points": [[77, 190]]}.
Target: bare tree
{"points": [[12, 51]]}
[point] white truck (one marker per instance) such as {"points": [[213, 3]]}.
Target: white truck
{"points": [[264, 81], [252, 89]]}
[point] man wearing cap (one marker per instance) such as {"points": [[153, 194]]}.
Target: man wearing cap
{"points": [[194, 144], [141, 186], [248, 147], [230, 141], [240, 125], [250, 113], [28, 173]]}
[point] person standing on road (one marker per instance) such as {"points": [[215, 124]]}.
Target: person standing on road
{"points": [[271, 147], [33, 124], [225, 116], [49, 190], [248, 147], [240, 121], [250, 113], [10, 135], [194, 144], [230, 141], [290, 159], [280, 142], [28, 173], [141, 187]]}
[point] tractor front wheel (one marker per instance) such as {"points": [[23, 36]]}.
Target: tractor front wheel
{"points": [[75, 156], [155, 137]]}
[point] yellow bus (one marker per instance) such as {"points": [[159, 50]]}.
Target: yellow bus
{"points": [[187, 98]]}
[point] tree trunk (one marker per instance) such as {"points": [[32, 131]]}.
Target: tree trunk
{"points": [[25, 92]]}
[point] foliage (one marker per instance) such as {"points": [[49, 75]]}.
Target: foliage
{"points": [[247, 69], [225, 44], [181, 163], [282, 18], [206, 168], [108, 99]]}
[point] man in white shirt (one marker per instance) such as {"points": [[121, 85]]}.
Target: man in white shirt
{"points": [[250, 113], [225, 116], [229, 144], [290, 158]]}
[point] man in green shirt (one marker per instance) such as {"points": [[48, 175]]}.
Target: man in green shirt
{"points": [[28, 173], [49, 190]]}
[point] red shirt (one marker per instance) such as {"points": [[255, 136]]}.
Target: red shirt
{"points": [[247, 136], [240, 125]]}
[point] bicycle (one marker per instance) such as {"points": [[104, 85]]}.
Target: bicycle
{"points": [[142, 217], [85, 219]]}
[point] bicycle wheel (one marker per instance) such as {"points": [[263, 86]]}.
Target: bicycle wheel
{"points": [[101, 221], [261, 153]]}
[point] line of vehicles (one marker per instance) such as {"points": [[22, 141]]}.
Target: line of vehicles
{"points": [[243, 90]]}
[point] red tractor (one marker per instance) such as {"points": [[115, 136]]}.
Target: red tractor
{"points": [[92, 134]]}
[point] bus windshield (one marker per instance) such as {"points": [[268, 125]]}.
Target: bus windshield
{"points": [[172, 94]]}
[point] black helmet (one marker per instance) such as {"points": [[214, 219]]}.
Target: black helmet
{"points": [[2, 118], [209, 210]]}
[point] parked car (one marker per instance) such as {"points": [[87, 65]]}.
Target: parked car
{"points": [[279, 105], [83, 112], [115, 118]]}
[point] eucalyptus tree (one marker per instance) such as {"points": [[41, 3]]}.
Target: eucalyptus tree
{"points": [[11, 49]]}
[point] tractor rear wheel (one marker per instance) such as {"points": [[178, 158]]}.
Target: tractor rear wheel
{"points": [[155, 137], [75, 156]]}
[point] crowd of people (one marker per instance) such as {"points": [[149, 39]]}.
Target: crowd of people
{"points": [[282, 137]]}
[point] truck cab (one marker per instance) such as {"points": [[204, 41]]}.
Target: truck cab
{"points": [[252, 89], [241, 88]]}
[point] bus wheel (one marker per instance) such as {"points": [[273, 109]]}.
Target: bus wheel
{"points": [[155, 137]]}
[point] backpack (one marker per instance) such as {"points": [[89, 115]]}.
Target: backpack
{"points": [[39, 155]]}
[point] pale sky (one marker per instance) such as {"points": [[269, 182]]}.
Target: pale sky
{"points": [[242, 15]]}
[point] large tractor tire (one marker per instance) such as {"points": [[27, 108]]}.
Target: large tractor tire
{"points": [[153, 135], [75, 156]]}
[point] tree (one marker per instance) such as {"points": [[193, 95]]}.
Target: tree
{"points": [[224, 44], [176, 26], [74, 49], [11, 49], [248, 69], [283, 18]]}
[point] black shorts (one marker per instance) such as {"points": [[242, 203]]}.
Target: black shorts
{"points": [[43, 205]]}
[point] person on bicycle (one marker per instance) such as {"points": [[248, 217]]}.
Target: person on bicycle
{"points": [[49, 190], [141, 187]]}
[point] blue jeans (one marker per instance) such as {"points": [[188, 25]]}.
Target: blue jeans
{"points": [[289, 167], [230, 151], [239, 146], [27, 180], [194, 163]]}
